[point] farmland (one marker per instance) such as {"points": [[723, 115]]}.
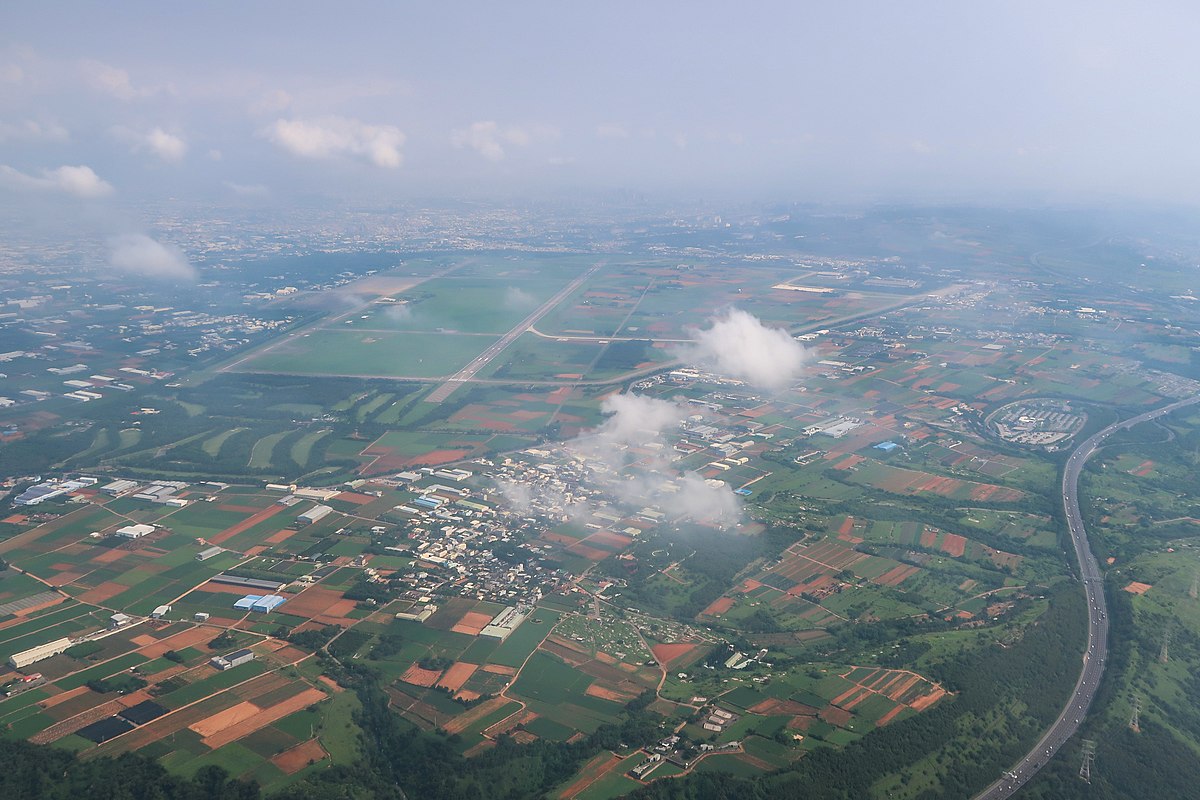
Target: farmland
{"points": [[511, 571]]}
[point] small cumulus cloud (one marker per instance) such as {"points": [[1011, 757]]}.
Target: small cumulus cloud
{"points": [[165, 145], [489, 138], [273, 102], [138, 254], [247, 190], [612, 131], [739, 345], [158, 142], [79, 181], [112, 80], [33, 131], [518, 299], [329, 137]]}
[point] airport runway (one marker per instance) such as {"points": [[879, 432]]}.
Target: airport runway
{"points": [[1093, 586], [483, 359]]}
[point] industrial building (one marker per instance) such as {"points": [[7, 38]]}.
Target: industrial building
{"points": [[135, 531], [205, 555], [314, 514], [505, 623], [160, 612], [249, 583], [418, 613], [42, 651], [118, 487], [264, 604], [234, 659]]}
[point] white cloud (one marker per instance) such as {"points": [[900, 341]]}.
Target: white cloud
{"points": [[156, 141], [274, 102], [328, 137], [247, 190], [34, 131], [518, 299], [165, 145], [79, 181], [138, 254], [740, 346], [489, 139], [112, 80], [11, 73], [611, 131]]}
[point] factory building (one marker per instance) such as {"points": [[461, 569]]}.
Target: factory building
{"points": [[264, 604], [234, 659], [314, 514], [160, 612], [135, 531], [505, 623], [42, 651]]}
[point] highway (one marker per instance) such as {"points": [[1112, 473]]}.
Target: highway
{"points": [[1097, 646]]}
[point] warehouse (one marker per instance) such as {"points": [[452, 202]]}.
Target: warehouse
{"points": [[234, 659], [205, 555], [314, 514], [34, 654], [135, 531], [249, 583]]}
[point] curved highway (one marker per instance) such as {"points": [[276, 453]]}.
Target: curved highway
{"points": [[1093, 586]]}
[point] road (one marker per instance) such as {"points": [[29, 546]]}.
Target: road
{"points": [[483, 359], [1093, 586]]}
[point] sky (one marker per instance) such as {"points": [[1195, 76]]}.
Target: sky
{"points": [[807, 101]]}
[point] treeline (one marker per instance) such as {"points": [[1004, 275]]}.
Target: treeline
{"points": [[33, 772]]}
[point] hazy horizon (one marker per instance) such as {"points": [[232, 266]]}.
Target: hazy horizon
{"points": [[925, 101]]}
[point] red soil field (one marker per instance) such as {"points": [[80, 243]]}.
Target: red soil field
{"points": [[592, 772], [668, 653], [718, 607], [889, 716], [848, 462], [604, 693], [245, 524], [590, 553], [457, 675], [297, 758], [420, 677], [835, 716], [465, 720], [472, 623], [499, 669], [954, 544], [102, 592], [264, 718], [224, 719], [929, 538], [896, 575]]}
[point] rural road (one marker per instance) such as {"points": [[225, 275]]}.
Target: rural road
{"points": [[1093, 586]]}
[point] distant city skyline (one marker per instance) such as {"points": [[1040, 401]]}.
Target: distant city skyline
{"points": [[268, 102]]}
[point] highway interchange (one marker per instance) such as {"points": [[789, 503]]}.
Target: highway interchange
{"points": [[1076, 709]]}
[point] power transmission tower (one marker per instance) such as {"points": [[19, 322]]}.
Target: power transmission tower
{"points": [[1163, 655], [1134, 717], [1089, 756]]}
